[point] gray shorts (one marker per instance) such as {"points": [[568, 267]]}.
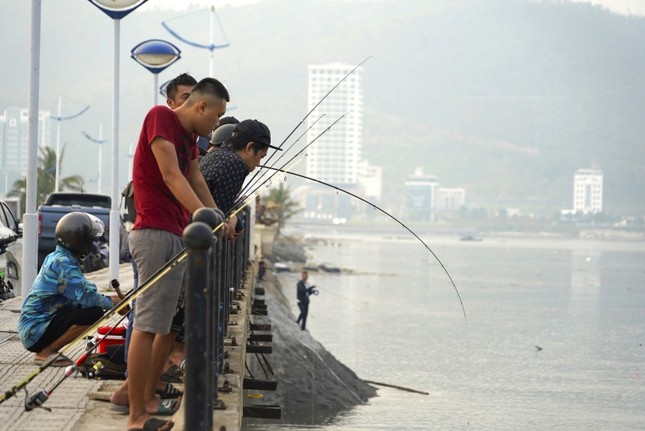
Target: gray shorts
{"points": [[151, 249]]}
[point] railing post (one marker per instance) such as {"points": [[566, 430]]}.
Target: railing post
{"points": [[213, 218], [199, 394]]}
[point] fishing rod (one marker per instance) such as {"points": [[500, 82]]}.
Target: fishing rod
{"points": [[312, 110], [268, 180], [39, 398], [251, 183], [387, 214], [323, 98]]}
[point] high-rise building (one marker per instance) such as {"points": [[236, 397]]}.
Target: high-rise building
{"points": [[336, 155], [587, 191], [14, 138]]}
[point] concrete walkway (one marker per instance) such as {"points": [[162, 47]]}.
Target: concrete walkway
{"points": [[71, 407]]}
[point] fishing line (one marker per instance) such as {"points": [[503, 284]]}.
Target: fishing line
{"points": [[250, 184], [311, 111], [268, 181], [390, 216]]}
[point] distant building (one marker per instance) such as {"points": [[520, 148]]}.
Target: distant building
{"points": [[450, 199], [420, 194], [370, 178], [587, 191], [14, 137], [335, 156]]}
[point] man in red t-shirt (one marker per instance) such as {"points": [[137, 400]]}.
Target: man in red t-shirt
{"points": [[169, 188]]}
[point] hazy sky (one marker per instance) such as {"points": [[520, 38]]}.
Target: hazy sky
{"points": [[626, 7]]}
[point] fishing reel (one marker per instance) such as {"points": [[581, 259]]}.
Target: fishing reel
{"points": [[36, 401], [95, 370]]}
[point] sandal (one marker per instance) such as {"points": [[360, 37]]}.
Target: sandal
{"points": [[167, 407], [61, 361], [154, 424], [169, 392]]}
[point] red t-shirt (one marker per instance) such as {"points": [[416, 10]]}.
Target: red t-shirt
{"points": [[156, 206]]}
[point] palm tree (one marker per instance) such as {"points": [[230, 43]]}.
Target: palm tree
{"points": [[46, 179], [279, 202]]}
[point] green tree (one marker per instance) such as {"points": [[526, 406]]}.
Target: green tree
{"points": [[46, 177], [278, 201]]}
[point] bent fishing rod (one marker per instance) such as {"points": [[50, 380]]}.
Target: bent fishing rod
{"points": [[340, 189], [38, 399]]}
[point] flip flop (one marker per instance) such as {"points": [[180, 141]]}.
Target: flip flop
{"points": [[167, 407], [169, 392], [124, 410], [154, 424], [62, 361]]}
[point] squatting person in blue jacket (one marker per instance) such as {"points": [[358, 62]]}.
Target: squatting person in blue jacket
{"points": [[62, 303]]}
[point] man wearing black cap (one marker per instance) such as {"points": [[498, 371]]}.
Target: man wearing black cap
{"points": [[225, 168]]}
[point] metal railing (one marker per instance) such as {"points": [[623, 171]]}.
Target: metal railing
{"points": [[215, 270]]}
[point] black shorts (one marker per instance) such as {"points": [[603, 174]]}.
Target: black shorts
{"points": [[177, 324], [63, 320]]}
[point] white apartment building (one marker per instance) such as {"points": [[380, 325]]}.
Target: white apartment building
{"points": [[335, 157], [587, 191]]}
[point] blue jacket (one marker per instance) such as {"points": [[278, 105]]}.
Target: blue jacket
{"points": [[60, 282]]}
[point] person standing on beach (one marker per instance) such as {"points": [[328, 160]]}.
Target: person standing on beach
{"points": [[304, 290]]}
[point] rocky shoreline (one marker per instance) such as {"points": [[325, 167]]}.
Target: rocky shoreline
{"points": [[313, 386]]}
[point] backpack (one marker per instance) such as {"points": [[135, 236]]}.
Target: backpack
{"points": [[105, 366], [128, 201]]}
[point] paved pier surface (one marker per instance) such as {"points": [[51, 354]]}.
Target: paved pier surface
{"points": [[71, 407]]}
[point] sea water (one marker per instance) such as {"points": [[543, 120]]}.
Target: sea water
{"points": [[553, 335]]}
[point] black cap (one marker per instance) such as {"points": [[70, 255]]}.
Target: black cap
{"points": [[254, 131], [228, 120]]}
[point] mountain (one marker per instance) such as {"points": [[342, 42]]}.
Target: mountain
{"points": [[506, 98]]}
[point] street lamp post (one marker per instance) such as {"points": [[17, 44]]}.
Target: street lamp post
{"points": [[99, 141], [30, 219], [58, 120], [155, 55], [115, 9]]}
